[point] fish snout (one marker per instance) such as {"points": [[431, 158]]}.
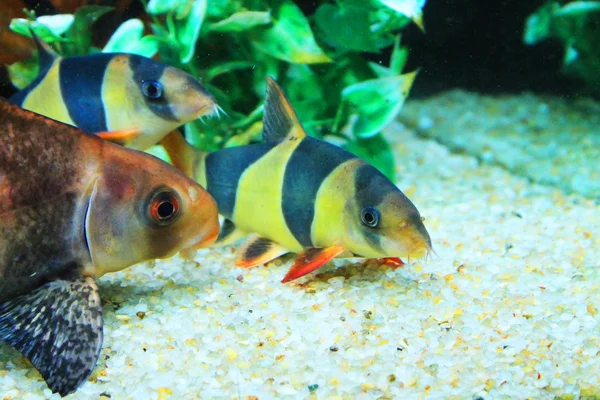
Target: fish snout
{"points": [[198, 101]]}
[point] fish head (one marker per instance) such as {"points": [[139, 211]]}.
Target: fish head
{"points": [[155, 98], [380, 221], [141, 209], [186, 96]]}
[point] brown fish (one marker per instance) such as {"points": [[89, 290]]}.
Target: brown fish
{"points": [[72, 208]]}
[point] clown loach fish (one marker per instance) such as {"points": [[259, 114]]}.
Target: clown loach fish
{"points": [[299, 194], [72, 208], [126, 98]]}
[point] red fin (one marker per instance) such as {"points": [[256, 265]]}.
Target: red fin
{"points": [[120, 136], [258, 250], [393, 262], [311, 259]]}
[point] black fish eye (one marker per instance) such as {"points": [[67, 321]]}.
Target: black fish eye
{"points": [[163, 207], [370, 216], [152, 89]]}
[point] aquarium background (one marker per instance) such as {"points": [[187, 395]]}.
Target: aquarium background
{"points": [[497, 144]]}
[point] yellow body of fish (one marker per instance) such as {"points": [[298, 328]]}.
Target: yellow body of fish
{"points": [[110, 92]]}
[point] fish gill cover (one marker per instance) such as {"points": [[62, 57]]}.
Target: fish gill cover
{"points": [[233, 45]]}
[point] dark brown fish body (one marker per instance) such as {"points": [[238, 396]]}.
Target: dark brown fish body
{"points": [[72, 208], [43, 192]]}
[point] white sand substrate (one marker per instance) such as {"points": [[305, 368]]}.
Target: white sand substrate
{"points": [[508, 310], [551, 140]]}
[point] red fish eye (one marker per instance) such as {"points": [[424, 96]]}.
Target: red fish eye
{"points": [[164, 207]]}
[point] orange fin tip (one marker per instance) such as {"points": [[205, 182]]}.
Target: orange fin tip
{"points": [[119, 136], [393, 262], [258, 250], [310, 260]]}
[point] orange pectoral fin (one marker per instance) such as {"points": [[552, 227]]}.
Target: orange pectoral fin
{"points": [[393, 262], [311, 259], [179, 151], [258, 250], [120, 137]]}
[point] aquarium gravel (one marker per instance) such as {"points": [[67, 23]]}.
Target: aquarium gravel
{"points": [[509, 307], [548, 139]]}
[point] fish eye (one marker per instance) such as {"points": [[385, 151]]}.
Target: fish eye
{"points": [[152, 89], [163, 207], [370, 216]]}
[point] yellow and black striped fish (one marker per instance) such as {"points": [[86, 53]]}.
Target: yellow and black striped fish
{"points": [[303, 195], [121, 97]]}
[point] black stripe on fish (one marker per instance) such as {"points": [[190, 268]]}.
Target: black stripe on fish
{"points": [[371, 189], [58, 327], [145, 69], [224, 169], [81, 80], [306, 170]]}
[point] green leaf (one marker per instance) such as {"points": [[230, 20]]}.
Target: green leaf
{"points": [[128, 39], [268, 66], [21, 26], [198, 134], [413, 9], [380, 70], [290, 38], [157, 7], [147, 46], [188, 30], [538, 24], [227, 67], [371, 105], [219, 9], [346, 27], [305, 92], [250, 134], [579, 8], [397, 62], [58, 23], [22, 73], [242, 21], [80, 32], [376, 151], [399, 57]]}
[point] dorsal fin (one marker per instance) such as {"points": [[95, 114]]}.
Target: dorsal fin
{"points": [[279, 119], [46, 55]]}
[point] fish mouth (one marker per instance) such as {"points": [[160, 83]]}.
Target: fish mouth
{"points": [[213, 111], [202, 240]]}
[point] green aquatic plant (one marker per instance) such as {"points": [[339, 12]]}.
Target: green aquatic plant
{"points": [[232, 45], [575, 24]]}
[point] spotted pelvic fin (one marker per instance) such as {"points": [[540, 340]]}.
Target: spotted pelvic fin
{"points": [[58, 327], [258, 250]]}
